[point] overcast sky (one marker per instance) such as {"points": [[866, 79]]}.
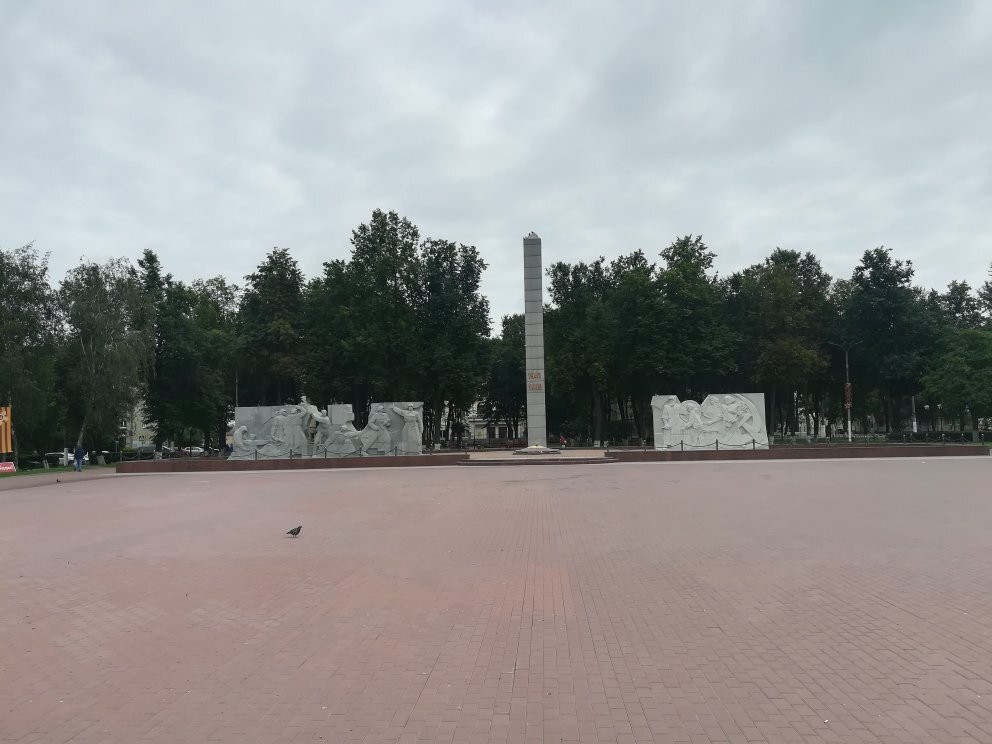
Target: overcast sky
{"points": [[211, 133]]}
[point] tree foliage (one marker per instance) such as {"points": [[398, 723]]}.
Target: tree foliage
{"points": [[108, 346], [505, 389], [28, 337], [190, 391], [403, 317], [270, 317], [960, 375]]}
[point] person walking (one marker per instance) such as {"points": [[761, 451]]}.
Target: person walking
{"points": [[80, 454]]}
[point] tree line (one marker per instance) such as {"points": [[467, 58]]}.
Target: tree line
{"points": [[619, 332], [403, 318]]}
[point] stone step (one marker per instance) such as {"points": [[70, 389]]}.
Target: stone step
{"points": [[538, 460]]}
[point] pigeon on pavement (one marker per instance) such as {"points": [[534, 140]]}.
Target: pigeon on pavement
{"points": [[295, 532]]}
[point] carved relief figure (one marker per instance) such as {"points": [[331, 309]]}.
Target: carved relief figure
{"points": [[693, 415], [323, 434], [278, 432], [243, 447], [413, 427], [375, 436], [671, 418], [295, 436], [346, 440]]}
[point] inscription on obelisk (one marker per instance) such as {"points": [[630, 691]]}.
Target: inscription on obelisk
{"points": [[537, 435]]}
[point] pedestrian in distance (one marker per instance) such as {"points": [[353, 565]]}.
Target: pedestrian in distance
{"points": [[80, 453]]}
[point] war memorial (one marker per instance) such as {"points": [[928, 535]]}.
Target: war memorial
{"points": [[303, 430], [328, 591], [304, 435]]}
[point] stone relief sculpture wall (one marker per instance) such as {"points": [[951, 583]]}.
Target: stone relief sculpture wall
{"points": [[304, 430], [726, 421]]}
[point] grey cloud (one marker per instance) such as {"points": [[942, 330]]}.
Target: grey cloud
{"points": [[210, 133]]}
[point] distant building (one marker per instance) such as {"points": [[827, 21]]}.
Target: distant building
{"points": [[482, 430], [135, 431]]}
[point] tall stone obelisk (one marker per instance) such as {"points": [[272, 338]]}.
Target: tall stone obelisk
{"points": [[537, 421]]}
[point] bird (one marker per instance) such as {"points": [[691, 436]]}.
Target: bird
{"points": [[295, 532]]}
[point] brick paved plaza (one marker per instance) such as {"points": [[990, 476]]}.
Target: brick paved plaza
{"points": [[831, 601]]}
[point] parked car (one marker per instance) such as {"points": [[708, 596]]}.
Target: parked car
{"points": [[56, 459], [193, 451], [147, 452]]}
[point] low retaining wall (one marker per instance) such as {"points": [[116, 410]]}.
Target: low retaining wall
{"points": [[804, 453], [206, 465]]}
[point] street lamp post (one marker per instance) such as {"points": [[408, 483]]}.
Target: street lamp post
{"points": [[847, 383], [848, 397]]}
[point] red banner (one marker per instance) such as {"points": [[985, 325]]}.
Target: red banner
{"points": [[7, 467], [847, 395]]}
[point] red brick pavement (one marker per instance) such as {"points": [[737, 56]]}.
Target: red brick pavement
{"points": [[841, 601]]}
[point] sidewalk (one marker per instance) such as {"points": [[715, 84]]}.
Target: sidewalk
{"points": [[14, 482]]}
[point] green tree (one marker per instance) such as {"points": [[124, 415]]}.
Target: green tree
{"points": [[401, 319], [580, 331], [962, 308], [270, 322], [360, 318], [636, 304], [778, 311], [190, 389], [109, 345], [333, 349], [891, 328], [384, 271], [698, 340], [959, 377], [452, 324], [27, 346], [215, 313], [985, 296], [505, 387]]}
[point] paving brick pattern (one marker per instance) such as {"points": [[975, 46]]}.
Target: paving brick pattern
{"points": [[839, 601]]}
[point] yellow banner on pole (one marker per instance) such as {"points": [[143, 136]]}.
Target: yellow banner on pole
{"points": [[6, 431]]}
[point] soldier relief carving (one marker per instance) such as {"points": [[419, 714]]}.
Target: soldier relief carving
{"points": [[731, 421], [304, 430]]}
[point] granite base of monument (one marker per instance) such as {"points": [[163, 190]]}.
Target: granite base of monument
{"points": [[536, 449]]}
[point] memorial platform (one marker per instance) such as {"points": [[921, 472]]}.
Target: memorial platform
{"points": [[563, 457], [207, 465], [797, 452]]}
